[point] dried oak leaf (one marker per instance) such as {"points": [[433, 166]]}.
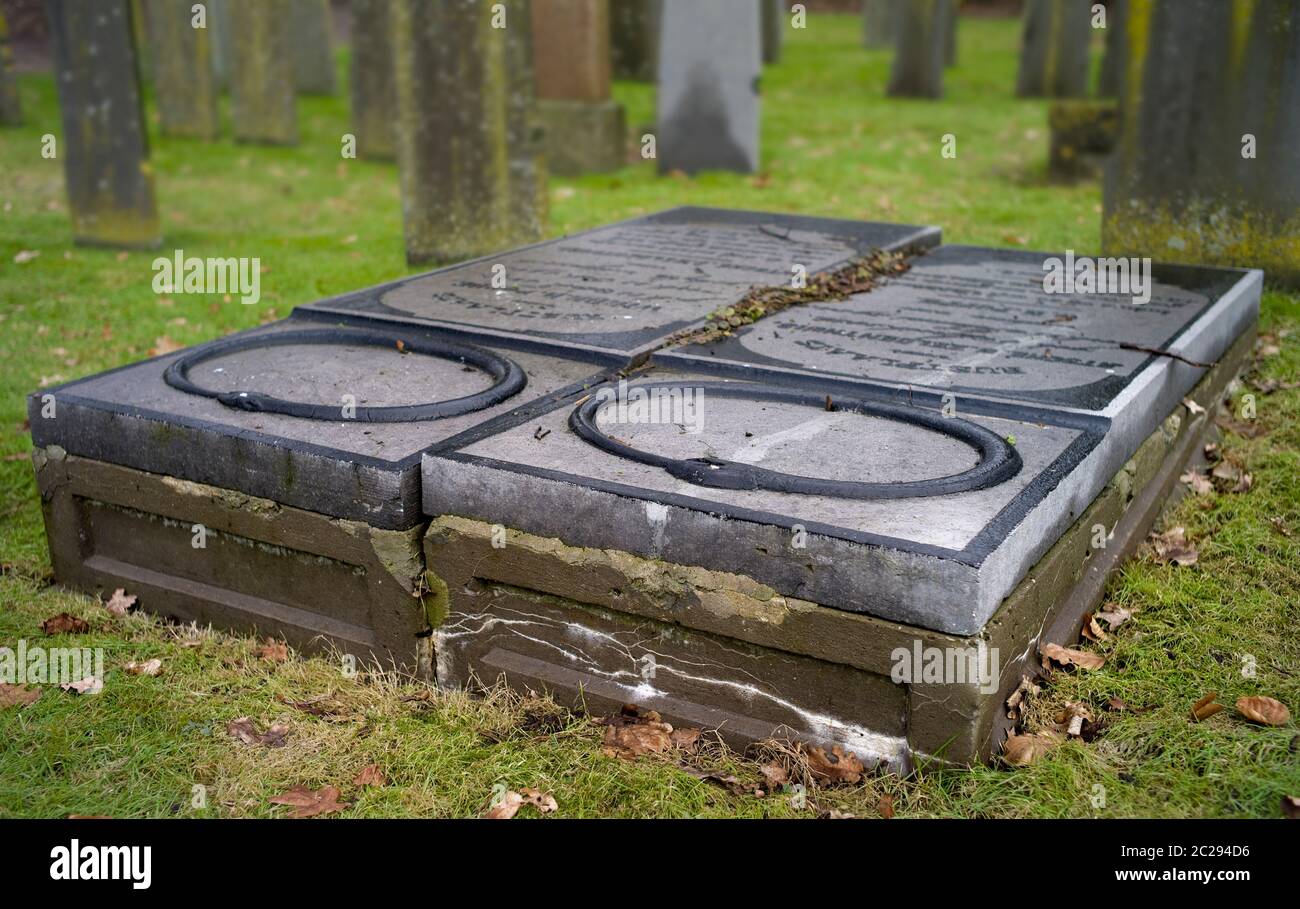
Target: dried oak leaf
{"points": [[1204, 708], [370, 775], [505, 808], [273, 651], [542, 801], [119, 602], [633, 732], [839, 766], [685, 738], [885, 807], [148, 667], [1264, 710], [244, 730], [1172, 547], [63, 623], [1092, 630], [1198, 482], [1232, 478], [1115, 615], [1023, 750], [18, 695], [310, 802], [1067, 656], [774, 775]]}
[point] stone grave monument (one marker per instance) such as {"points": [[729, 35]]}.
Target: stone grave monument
{"points": [[920, 48], [221, 38], [710, 58], [1054, 49], [183, 72], [11, 111], [634, 38], [879, 23], [311, 42], [105, 147], [585, 131], [263, 106], [373, 94], [774, 17]]}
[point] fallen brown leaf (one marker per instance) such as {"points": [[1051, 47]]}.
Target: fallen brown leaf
{"points": [[244, 730], [88, 685], [1067, 656], [18, 695], [1091, 629], [1172, 547], [119, 602], [149, 667], [685, 738], [885, 807], [310, 802], [633, 732], [506, 808], [1291, 807], [273, 651], [1198, 482], [1023, 750], [542, 801], [63, 623], [1205, 708], [1115, 615], [1244, 429], [839, 766], [774, 775], [1192, 407], [1264, 710], [370, 775]]}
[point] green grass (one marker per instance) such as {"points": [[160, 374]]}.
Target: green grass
{"points": [[833, 145]]}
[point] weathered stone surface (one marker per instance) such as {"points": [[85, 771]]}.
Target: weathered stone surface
{"points": [[184, 82], [709, 64], [221, 37], [1206, 86], [11, 111], [625, 288], [879, 23], [585, 130], [1054, 49], [634, 38], [342, 466], [921, 36], [1083, 134], [311, 43], [1112, 64], [774, 17], [950, 36], [469, 147], [263, 106], [105, 147], [373, 93]]}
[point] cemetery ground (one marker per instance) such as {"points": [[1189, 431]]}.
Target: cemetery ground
{"points": [[833, 145]]}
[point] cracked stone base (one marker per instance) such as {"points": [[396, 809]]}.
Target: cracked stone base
{"points": [[602, 627], [583, 137], [323, 584]]}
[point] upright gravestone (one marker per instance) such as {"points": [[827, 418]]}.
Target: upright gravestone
{"points": [[223, 49], [105, 148], [374, 104], [1206, 166], [921, 38], [11, 112], [184, 83], [879, 23], [634, 38], [262, 102], [1112, 65], [1054, 49], [773, 29], [584, 128], [312, 47], [467, 144], [950, 38], [709, 64]]}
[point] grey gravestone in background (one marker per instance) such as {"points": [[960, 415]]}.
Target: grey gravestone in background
{"points": [[11, 112], [1054, 49], [468, 147], [312, 47], [584, 129], [1211, 83], [921, 37], [184, 80], [105, 148], [774, 13], [223, 49], [634, 38], [263, 105], [950, 39], [1112, 64], [709, 64], [625, 288], [374, 103], [879, 23]]}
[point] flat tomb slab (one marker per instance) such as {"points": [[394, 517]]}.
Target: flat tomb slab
{"points": [[626, 288], [344, 436]]}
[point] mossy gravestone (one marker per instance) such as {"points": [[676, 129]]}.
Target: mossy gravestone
{"points": [[374, 104], [1112, 65], [920, 48], [11, 112], [262, 101], [879, 23], [634, 38], [467, 143], [105, 148], [1054, 49], [584, 128], [184, 82], [773, 29], [1207, 162], [312, 47], [223, 50]]}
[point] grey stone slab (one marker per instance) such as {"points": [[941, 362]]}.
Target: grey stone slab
{"points": [[710, 57], [941, 561], [340, 466], [1054, 49], [626, 287]]}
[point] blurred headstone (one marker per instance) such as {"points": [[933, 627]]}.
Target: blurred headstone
{"points": [[710, 58], [311, 37], [105, 148], [1054, 49], [1083, 134], [584, 128], [773, 29], [950, 39], [374, 104], [468, 146], [262, 102], [11, 111], [634, 38], [1206, 168], [223, 49], [879, 21], [1112, 64], [184, 83], [921, 37]]}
